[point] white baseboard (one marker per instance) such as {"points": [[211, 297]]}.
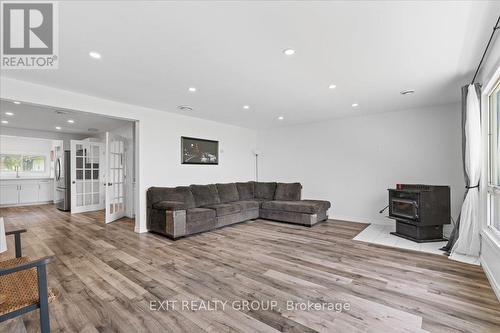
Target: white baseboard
{"points": [[490, 252], [140, 230], [495, 285]]}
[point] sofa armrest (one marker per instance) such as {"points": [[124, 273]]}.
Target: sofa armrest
{"points": [[170, 205]]}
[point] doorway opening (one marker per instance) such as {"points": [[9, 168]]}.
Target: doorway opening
{"points": [[93, 157]]}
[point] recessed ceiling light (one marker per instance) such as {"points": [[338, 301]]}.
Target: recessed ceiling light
{"points": [[185, 108], [71, 121], [246, 107], [332, 86], [407, 92], [16, 102], [354, 105], [95, 55], [289, 52], [58, 127], [281, 118], [192, 89], [5, 122], [9, 113]]}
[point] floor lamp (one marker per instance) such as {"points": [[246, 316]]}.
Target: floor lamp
{"points": [[256, 153]]}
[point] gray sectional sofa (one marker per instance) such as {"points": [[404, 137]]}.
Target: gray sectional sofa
{"points": [[186, 210]]}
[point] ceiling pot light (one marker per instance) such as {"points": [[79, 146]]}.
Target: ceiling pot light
{"points": [[71, 121], [9, 113], [246, 107], [58, 127], [281, 118], [192, 89], [354, 105], [5, 122], [185, 108], [16, 102], [332, 86], [289, 52], [95, 55], [407, 92]]}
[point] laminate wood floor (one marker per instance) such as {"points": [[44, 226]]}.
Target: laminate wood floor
{"points": [[107, 279]]}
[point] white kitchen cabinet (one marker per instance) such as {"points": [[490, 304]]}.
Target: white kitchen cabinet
{"points": [[9, 194], [45, 191], [28, 192], [18, 192]]}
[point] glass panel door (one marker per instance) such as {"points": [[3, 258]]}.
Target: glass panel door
{"points": [[115, 183], [85, 176]]}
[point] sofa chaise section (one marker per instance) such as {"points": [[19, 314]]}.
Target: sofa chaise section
{"points": [[304, 212]]}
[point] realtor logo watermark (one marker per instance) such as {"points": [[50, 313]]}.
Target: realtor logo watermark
{"points": [[30, 38]]}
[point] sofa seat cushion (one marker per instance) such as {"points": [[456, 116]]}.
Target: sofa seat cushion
{"points": [[305, 207], [199, 214], [199, 220], [170, 205], [245, 190], [225, 208], [228, 192], [323, 204], [205, 194], [264, 190], [288, 192], [248, 204]]}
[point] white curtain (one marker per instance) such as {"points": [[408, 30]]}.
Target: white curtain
{"points": [[468, 242]]}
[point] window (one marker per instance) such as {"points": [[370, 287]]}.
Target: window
{"points": [[494, 158], [10, 162], [28, 163]]}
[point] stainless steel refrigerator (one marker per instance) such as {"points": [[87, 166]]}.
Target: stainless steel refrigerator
{"points": [[63, 180]]}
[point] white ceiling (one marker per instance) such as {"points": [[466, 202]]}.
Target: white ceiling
{"points": [[232, 53], [34, 117]]}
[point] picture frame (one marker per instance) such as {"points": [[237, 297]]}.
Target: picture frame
{"points": [[199, 151]]}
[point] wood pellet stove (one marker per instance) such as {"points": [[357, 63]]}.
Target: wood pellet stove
{"points": [[420, 211]]}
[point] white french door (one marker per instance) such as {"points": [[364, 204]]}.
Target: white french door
{"points": [[115, 177], [86, 173]]}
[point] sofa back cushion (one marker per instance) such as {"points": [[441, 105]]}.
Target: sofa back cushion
{"points": [[228, 192], [180, 193], [246, 190], [205, 194], [288, 192], [265, 190]]}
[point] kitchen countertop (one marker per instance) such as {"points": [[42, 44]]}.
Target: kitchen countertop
{"points": [[27, 178]]}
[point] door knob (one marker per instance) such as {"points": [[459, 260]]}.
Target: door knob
{"points": [[109, 184], [73, 182]]}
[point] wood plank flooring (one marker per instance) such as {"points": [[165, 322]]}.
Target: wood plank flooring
{"points": [[107, 277]]}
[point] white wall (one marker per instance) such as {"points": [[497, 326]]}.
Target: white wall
{"points": [[158, 133], [65, 137], [352, 161]]}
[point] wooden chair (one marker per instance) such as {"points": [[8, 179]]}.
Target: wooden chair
{"points": [[23, 284]]}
